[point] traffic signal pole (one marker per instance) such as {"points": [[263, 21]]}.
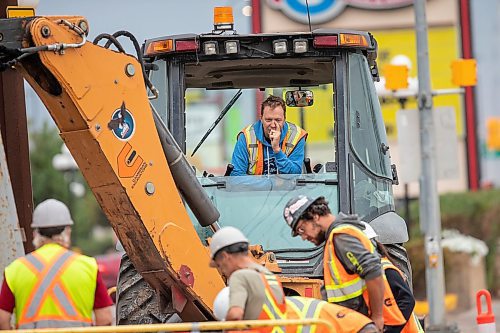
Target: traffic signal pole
{"points": [[430, 218]]}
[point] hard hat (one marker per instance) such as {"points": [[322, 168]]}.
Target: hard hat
{"points": [[294, 209], [51, 213], [221, 304], [369, 231], [224, 237]]}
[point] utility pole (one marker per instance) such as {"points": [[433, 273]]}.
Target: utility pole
{"points": [[430, 217]]}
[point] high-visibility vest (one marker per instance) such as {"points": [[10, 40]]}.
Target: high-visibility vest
{"points": [[274, 306], [344, 320], [53, 287], [256, 149], [340, 285], [392, 314]]}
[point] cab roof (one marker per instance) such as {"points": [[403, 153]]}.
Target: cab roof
{"points": [[256, 63]]}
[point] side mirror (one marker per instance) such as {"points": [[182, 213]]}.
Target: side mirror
{"points": [[299, 98]]}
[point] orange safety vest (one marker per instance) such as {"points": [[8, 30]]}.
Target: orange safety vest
{"points": [[274, 306], [392, 314], [53, 287], [256, 150], [340, 285], [344, 320]]}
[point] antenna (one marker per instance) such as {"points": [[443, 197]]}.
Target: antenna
{"points": [[308, 15]]}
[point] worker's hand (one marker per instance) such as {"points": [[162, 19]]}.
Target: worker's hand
{"points": [[235, 313], [379, 322], [274, 136]]}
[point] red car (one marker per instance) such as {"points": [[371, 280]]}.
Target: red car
{"points": [[109, 266]]}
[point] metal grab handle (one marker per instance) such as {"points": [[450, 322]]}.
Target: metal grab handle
{"points": [[183, 327]]}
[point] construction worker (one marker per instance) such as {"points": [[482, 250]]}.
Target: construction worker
{"points": [[53, 287], [351, 265], [255, 292], [271, 145], [343, 320], [399, 302]]}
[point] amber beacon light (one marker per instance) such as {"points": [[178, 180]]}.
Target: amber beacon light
{"points": [[223, 18]]}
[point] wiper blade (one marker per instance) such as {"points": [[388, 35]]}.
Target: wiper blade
{"points": [[302, 181], [217, 121], [219, 184]]}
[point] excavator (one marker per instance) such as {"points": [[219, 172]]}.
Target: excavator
{"points": [[124, 118]]}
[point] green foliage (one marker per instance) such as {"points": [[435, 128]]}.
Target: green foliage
{"points": [[476, 214], [47, 183]]}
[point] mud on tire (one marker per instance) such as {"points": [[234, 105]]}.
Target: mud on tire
{"points": [[136, 302]]}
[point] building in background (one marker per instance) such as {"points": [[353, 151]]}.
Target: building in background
{"points": [[485, 18], [392, 24]]}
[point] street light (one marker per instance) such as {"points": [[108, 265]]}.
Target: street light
{"points": [[65, 163]]}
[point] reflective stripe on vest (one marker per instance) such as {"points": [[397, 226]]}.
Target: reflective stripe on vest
{"points": [[274, 306], [342, 319], [38, 283], [53, 324], [340, 285], [255, 148], [306, 308], [392, 314]]}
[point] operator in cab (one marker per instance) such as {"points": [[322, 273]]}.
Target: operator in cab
{"points": [[271, 145]]}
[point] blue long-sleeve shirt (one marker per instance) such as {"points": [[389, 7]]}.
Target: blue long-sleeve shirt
{"points": [[273, 162]]}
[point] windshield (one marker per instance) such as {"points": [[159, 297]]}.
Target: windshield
{"points": [[254, 204]]}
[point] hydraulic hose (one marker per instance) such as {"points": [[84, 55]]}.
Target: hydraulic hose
{"points": [[185, 179]]}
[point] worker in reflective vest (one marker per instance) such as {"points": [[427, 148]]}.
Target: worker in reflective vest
{"points": [[271, 145], [399, 302], [344, 320], [351, 266], [255, 292], [53, 287]]}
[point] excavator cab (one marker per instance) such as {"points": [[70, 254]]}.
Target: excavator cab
{"points": [[347, 143]]}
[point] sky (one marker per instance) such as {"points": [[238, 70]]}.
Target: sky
{"points": [[144, 19]]}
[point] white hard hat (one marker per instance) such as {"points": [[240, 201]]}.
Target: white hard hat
{"points": [[224, 237], [221, 304], [51, 213], [369, 231]]}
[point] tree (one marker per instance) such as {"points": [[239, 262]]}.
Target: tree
{"points": [[48, 182]]}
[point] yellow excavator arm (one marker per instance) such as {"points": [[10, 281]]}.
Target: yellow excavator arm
{"points": [[97, 98]]}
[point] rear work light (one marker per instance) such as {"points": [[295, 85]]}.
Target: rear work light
{"points": [[210, 48], [232, 46], [186, 45], [280, 46], [325, 41], [160, 46], [352, 40], [300, 46]]}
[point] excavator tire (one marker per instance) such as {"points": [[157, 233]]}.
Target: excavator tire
{"points": [[136, 301], [400, 258]]}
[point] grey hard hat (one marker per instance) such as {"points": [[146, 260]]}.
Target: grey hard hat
{"points": [[224, 237], [51, 213], [294, 209]]}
